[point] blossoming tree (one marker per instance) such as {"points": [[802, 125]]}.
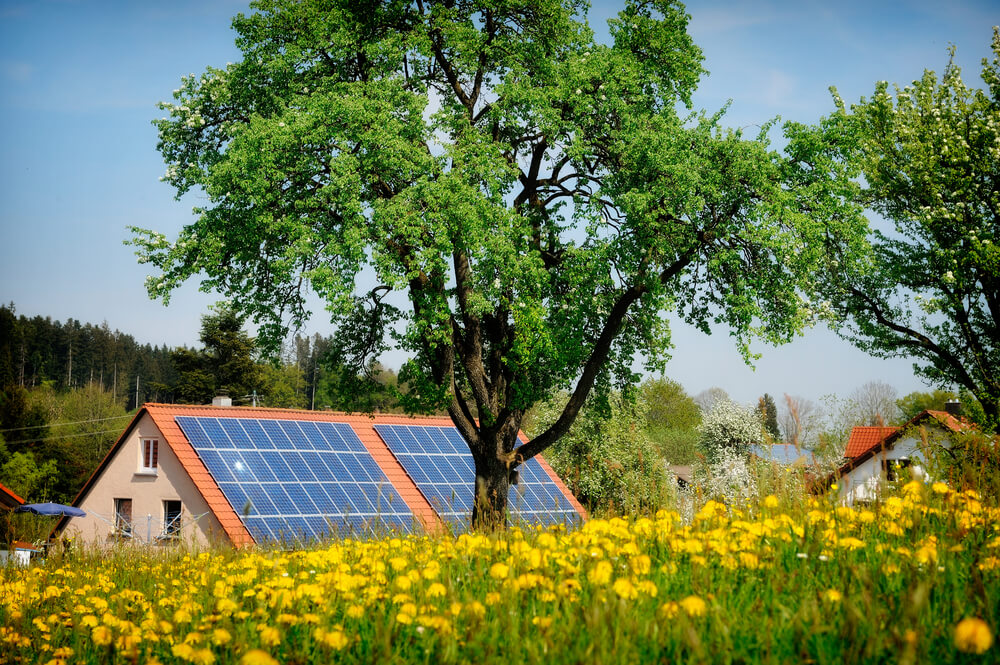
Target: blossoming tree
{"points": [[927, 287], [486, 187]]}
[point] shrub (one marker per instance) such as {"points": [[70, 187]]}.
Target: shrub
{"points": [[607, 459]]}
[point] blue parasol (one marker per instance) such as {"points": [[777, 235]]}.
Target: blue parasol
{"points": [[52, 509]]}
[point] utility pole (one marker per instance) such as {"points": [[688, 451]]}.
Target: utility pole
{"points": [[137, 389]]}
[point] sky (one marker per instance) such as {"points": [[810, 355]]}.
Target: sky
{"points": [[80, 80]]}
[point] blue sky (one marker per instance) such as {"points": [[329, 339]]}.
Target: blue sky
{"points": [[80, 79]]}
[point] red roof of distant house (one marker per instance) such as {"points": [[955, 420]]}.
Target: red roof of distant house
{"points": [[8, 499], [163, 416], [864, 439]]}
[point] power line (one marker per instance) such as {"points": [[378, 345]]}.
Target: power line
{"points": [[67, 436], [75, 422]]}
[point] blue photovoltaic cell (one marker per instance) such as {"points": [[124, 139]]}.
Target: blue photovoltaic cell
{"points": [[440, 464], [296, 481]]}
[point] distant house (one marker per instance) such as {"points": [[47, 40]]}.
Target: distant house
{"points": [[9, 500], [245, 475], [877, 455]]}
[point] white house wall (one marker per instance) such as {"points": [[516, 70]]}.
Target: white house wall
{"points": [[122, 478]]}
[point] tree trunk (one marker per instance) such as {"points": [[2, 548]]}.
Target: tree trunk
{"points": [[489, 505]]}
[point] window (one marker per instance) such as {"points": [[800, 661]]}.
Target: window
{"points": [[893, 467], [123, 518], [149, 455], [171, 519]]}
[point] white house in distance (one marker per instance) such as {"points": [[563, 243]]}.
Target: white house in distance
{"points": [[216, 474], [876, 455]]}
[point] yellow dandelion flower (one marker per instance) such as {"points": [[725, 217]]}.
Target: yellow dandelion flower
{"points": [[203, 657], [436, 590], [221, 636], [499, 571], [939, 488], [269, 635], [89, 621], [101, 635], [973, 635], [669, 610], [625, 589], [601, 573], [989, 563], [183, 651], [476, 608], [832, 596], [694, 606], [257, 657], [771, 501], [541, 622], [492, 598]]}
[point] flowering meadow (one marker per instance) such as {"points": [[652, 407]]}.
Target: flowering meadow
{"points": [[915, 578]]}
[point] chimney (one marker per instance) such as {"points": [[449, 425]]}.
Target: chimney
{"points": [[222, 399], [954, 407]]}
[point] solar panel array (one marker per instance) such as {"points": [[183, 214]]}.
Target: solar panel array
{"points": [[295, 480], [439, 462]]}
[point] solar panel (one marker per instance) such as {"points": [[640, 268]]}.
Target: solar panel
{"points": [[296, 481], [440, 464]]}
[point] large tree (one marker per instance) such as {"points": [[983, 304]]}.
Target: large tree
{"points": [[486, 187], [927, 283]]}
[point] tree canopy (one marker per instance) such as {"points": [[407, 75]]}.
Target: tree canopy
{"points": [[927, 284], [487, 187]]}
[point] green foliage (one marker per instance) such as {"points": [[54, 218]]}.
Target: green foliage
{"points": [[669, 406], [676, 446], [537, 198], [31, 481], [769, 414], [22, 421], [227, 363], [607, 459], [967, 461], [672, 419], [912, 404], [280, 386], [925, 158]]}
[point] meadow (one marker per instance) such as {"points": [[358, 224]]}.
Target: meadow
{"points": [[915, 578]]}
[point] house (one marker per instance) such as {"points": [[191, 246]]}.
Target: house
{"points": [[246, 475], [9, 500], [876, 455]]}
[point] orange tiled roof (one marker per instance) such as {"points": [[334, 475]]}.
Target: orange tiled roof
{"points": [[163, 415], [864, 439], [8, 498]]}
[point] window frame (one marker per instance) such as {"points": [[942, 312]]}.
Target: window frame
{"points": [[124, 528], [172, 527], [149, 453]]}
